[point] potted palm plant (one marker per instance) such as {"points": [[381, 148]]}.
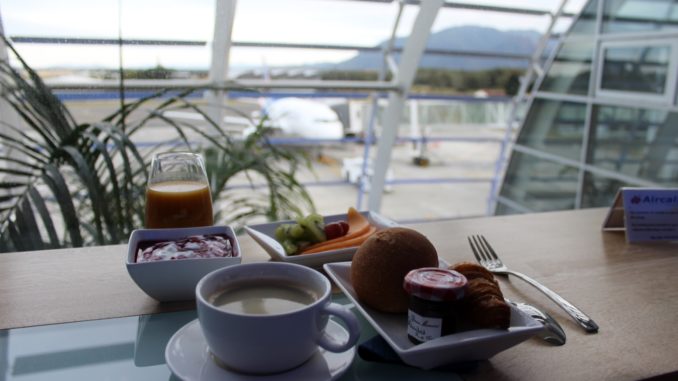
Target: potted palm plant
{"points": [[66, 183]]}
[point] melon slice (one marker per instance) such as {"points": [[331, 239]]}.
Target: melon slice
{"points": [[358, 225], [355, 241]]}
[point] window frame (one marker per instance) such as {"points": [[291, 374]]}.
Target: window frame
{"points": [[669, 95]]}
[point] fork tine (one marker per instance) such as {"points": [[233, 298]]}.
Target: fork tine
{"points": [[475, 252], [489, 250], [481, 249]]}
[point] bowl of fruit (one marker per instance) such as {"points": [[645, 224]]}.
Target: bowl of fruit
{"points": [[313, 240]]}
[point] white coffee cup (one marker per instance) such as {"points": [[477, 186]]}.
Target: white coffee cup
{"points": [[270, 343]]}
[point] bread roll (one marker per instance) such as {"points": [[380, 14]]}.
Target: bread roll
{"points": [[381, 263]]}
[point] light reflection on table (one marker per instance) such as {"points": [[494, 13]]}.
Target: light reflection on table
{"points": [[133, 348]]}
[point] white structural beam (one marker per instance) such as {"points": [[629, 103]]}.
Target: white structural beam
{"points": [[407, 69], [221, 48]]}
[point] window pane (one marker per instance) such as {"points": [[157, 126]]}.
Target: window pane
{"points": [[586, 23], [316, 22], [538, 184], [503, 210], [640, 15], [641, 69], [571, 68], [554, 127], [637, 142], [600, 191], [101, 23]]}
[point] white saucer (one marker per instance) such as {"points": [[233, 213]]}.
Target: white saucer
{"points": [[189, 358]]}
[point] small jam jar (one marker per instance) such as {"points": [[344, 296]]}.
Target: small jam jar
{"points": [[435, 295]]}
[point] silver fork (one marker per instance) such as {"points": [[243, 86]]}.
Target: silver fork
{"points": [[488, 258], [552, 333]]}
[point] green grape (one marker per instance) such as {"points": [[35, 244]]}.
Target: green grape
{"points": [[290, 247], [307, 231], [281, 232], [296, 231]]}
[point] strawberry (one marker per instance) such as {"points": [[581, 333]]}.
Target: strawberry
{"points": [[336, 229]]}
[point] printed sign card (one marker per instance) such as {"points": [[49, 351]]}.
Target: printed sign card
{"points": [[646, 214]]}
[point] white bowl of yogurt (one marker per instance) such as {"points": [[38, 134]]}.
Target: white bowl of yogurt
{"points": [[168, 263]]}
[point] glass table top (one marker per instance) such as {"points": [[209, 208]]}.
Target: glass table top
{"points": [[133, 348]]}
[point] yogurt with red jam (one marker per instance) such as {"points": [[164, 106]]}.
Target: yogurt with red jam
{"points": [[197, 246]]}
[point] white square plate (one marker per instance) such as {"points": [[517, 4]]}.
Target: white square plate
{"points": [[264, 235], [479, 344]]}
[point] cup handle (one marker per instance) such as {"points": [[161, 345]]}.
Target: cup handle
{"points": [[331, 343]]}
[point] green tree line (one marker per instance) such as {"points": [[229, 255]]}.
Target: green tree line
{"points": [[441, 80], [426, 80]]}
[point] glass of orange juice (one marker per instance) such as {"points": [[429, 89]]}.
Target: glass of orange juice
{"points": [[178, 193]]}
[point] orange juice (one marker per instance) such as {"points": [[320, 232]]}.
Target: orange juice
{"points": [[178, 204]]}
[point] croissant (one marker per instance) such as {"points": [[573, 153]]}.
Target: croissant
{"points": [[472, 270], [481, 288], [490, 312], [484, 301]]}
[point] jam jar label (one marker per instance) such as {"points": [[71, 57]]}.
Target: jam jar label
{"points": [[423, 328]]}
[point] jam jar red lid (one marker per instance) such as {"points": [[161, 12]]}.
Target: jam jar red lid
{"points": [[436, 284]]}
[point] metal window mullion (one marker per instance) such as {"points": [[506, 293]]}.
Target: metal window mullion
{"points": [[588, 119], [636, 36], [502, 158], [621, 177], [586, 167], [407, 68], [23, 39], [669, 93], [583, 155], [221, 47], [248, 44], [313, 84], [616, 102], [502, 9], [388, 63], [545, 155], [241, 84], [673, 69], [514, 205]]}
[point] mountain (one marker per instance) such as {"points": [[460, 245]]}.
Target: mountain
{"points": [[462, 38]]}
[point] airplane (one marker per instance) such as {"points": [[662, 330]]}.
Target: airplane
{"points": [[293, 120], [292, 117]]}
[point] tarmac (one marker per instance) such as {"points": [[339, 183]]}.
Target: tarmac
{"points": [[455, 184]]}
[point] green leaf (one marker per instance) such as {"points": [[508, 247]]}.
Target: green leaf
{"points": [[57, 184], [28, 227], [41, 207], [115, 198], [17, 240], [95, 191]]}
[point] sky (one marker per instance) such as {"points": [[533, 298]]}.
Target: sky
{"points": [[291, 21]]}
